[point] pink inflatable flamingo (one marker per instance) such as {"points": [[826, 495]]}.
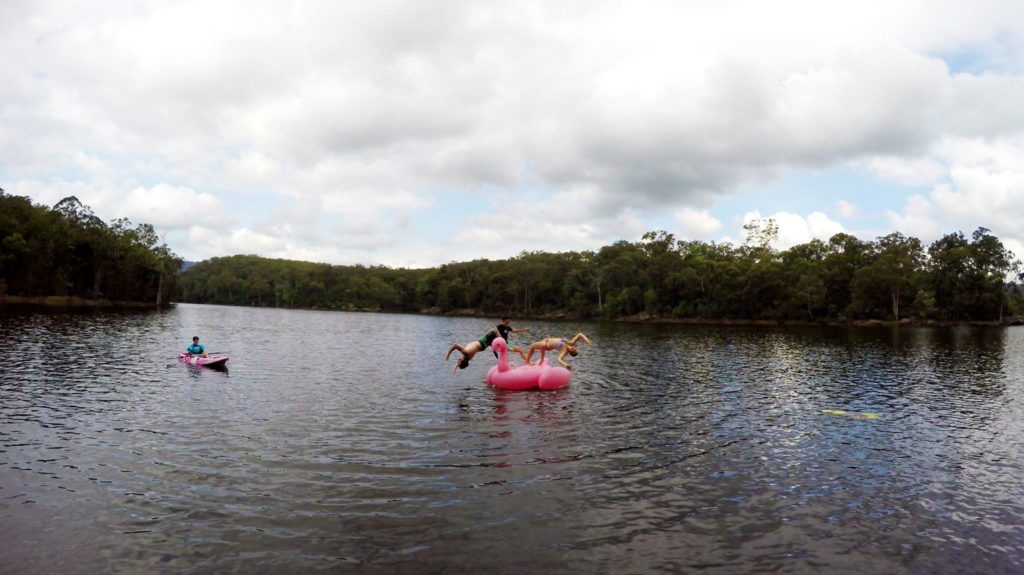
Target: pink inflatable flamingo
{"points": [[541, 375]]}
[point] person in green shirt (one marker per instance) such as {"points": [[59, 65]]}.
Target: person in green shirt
{"points": [[196, 348], [506, 330], [469, 350]]}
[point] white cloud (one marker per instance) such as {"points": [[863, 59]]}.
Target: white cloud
{"points": [[1016, 246], [697, 224], [348, 110], [907, 171], [210, 242], [821, 226], [982, 105], [847, 210], [511, 228], [254, 169], [171, 208], [366, 202], [49, 193], [976, 194], [985, 186], [347, 241], [916, 219], [795, 229]]}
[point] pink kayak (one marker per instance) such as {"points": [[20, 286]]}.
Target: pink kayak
{"points": [[212, 361]]}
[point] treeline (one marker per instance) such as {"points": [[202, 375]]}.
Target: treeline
{"points": [[67, 251], [892, 277]]}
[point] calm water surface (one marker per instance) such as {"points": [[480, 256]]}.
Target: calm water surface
{"points": [[342, 442]]}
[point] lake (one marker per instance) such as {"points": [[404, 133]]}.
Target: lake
{"points": [[342, 442]]}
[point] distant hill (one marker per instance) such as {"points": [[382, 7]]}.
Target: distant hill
{"points": [[185, 266]]}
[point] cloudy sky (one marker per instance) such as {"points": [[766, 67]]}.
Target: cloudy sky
{"points": [[416, 133]]}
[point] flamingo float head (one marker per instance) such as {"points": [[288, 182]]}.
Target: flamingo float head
{"points": [[501, 346]]}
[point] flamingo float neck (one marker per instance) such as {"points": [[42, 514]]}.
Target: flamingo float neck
{"points": [[499, 345]]}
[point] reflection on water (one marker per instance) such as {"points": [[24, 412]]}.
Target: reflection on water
{"points": [[339, 441]]}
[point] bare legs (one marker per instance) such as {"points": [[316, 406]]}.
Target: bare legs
{"points": [[521, 353], [540, 346]]}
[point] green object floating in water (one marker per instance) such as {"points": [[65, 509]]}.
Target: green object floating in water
{"points": [[870, 415]]}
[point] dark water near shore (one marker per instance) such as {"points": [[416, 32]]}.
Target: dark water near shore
{"points": [[342, 442]]}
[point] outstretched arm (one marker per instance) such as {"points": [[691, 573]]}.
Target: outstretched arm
{"points": [[454, 347], [580, 336], [521, 330], [561, 358]]}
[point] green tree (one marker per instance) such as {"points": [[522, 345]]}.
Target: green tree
{"points": [[68, 250], [895, 271]]}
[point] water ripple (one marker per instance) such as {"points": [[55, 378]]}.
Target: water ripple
{"points": [[676, 448]]}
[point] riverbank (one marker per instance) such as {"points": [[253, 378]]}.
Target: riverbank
{"points": [[648, 318], [642, 318], [72, 302]]}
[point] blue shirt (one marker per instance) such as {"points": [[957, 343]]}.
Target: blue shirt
{"points": [[196, 349]]}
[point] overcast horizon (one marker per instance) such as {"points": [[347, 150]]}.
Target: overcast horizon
{"points": [[412, 134]]}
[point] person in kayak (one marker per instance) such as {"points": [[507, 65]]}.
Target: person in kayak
{"points": [[506, 330], [196, 348], [562, 346], [472, 348]]}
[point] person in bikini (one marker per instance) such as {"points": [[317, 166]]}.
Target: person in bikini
{"points": [[564, 347], [472, 348]]}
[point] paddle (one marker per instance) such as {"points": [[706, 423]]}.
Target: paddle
{"points": [[211, 353]]}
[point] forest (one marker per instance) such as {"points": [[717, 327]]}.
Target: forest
{"points": [[894, 277], [68, 251]]}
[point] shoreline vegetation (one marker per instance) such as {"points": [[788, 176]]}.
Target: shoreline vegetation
{"points": [[644, 318], [82, 303], [894, 279], [66, 256], [55, 301]]}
